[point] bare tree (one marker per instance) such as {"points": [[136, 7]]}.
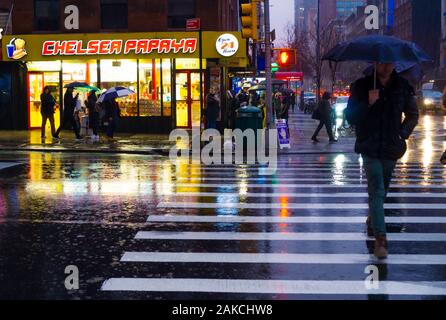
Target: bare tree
{"points": [[305, 43]]}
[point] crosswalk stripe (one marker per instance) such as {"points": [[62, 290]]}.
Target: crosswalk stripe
{"points": [[304, 195], [265, 178], [336, 206], [298, 220], [418, 288], [315, 169], [285, 236], [307, 258], [294, 185]]}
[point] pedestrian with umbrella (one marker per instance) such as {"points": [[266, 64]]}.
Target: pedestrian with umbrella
{"points": [[69, 104], [376, 108], [93, 114], [111, 108]]}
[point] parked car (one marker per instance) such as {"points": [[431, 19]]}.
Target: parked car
{"points": [[430, 100]]}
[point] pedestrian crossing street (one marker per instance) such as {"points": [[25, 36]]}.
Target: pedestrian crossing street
{"points": [[226, 231]]}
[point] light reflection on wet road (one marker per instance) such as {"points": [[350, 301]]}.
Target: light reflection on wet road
{"points": [[59, 209]]}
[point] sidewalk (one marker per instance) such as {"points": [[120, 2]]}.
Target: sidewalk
{"points": [[301, 129]]}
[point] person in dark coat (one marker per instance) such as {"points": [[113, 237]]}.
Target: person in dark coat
{"points": [[48, 104], [111, 117], [243, 96], [293, 100], [325, 112], [93, 114], [69, 104], [381, 136], [212, 109]]}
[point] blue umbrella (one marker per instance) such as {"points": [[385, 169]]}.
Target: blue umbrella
{"points": [[115, 92], [377, 49], [413, 72], [76, 85]]}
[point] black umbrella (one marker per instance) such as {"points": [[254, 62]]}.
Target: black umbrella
{"points": [[377, 49], [76, 85]]}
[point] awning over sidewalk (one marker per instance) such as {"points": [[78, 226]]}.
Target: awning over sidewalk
{"points": [[289, 76]]}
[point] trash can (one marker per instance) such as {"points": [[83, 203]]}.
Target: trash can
{"points": [[249, 117]]}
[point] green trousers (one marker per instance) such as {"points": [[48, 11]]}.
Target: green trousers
{"points": [[379, 173]]}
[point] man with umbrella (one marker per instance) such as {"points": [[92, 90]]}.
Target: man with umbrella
{"points": [[376, 108], [69, 104]]}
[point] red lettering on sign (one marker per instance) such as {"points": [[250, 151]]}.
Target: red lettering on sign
{"points": [[48, 47], [153, 45], [142, 46], [130, 45], [79, 49], [104, 47], [177, 46], [190, 46], [59, 47], [164, 46], [93, 47], [70, 48], [116, 47]]}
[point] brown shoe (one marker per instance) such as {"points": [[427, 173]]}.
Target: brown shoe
{"points": [[380, 247], [368, 222]]}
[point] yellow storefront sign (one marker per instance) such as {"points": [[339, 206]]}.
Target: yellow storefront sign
{"points": [[161, 45]]}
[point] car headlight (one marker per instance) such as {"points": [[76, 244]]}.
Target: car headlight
{"points": [[428, 101]]}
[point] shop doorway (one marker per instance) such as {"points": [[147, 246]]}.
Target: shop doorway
{"points": [[188, 113], [36, 82]]}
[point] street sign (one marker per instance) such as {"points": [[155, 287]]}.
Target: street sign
{"points": [[193, 24], [283, 134]]}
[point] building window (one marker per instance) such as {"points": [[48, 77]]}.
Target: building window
{"points": [[46, 15], [122, 73], [178, 12], [114, 14], [150, 88]]}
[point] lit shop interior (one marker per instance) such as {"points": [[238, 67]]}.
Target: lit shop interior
{"points": [[158, 89]]}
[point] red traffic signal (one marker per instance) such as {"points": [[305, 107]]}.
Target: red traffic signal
{"points": [[286, 58]]}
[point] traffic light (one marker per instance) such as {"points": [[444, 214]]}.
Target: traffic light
{"points": [[249, 20], [286, 58]]}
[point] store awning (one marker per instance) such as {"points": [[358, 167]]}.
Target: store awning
{"points": [[289, 76]]}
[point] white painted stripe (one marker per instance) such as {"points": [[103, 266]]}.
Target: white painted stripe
{"points": [[305, 195], [5, 165], [294, 185], [190, 257], [285, 236], [416, 288], [282, 169], [299, 220], [281, 178], [336, 206]]}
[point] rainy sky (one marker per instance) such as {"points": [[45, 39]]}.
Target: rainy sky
{"points": [[282, 13]]}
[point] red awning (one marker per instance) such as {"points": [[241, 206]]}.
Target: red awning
{"points": [[289, 76]]}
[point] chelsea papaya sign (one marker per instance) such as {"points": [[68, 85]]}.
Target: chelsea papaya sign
{"points": [[161, 45]]}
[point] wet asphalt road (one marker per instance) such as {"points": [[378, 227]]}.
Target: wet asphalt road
{"points": [[142, 227]]}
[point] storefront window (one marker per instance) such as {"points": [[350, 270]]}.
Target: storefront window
{"points": [[167, 88], [150, 88], [44, 66], [84, 71], [122, 73]]}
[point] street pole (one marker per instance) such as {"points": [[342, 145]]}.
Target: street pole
{"points": [[269, 112], [318, 52]]}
